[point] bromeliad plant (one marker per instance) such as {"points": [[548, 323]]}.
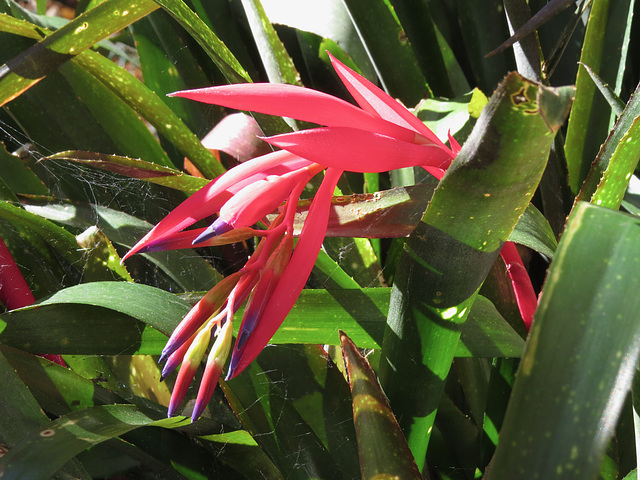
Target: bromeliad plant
{"points": [[379, 136], [444, 316]]}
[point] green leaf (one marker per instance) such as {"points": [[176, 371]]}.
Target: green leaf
{"points": [[389, 49], [614, 101], [582, 353], [275, 59], [472, 213], [616, 161], [61, 46], [382, 448], [40, 454], [433, 53], [18, 175], [102, 261], [19, 411], [207, 39], [134, 168], [604, 51], [189, 271], [473, 16], [534, 231], [283, 424], [126, 318]]}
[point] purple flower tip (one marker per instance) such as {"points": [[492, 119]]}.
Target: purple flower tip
{"points": [[216, 228]]}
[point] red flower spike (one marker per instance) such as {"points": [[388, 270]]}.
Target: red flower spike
{"points": [[178, 240], [185, 377], [293, 278], [257, 200], [381, 135]]}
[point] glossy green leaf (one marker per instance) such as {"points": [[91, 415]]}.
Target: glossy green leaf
{"points": [[582, 353], [19, 411], [328, 20], [19, 177], [126, 318], [40, 229], [168, 64], [275, 59], [473, 16], [616, 161], [133, 93], [433, 53], [382, 448], [152, 108], [22, 72], [604, 51], [189, 272], [207, 39], [472, 213]]}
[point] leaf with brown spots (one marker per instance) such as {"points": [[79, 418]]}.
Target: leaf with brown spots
{"points": [[383, 450]]}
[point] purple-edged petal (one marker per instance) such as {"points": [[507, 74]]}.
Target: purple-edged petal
{"points": [[215, 361], [299, 103], [377, 102], [209, 199], [358, 150], [265, 288], [260, 198], [294, 277], [218, 227]]}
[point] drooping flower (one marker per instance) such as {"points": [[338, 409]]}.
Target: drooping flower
{"points": [[379, 136]]}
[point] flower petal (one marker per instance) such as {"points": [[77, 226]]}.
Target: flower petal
{"points": [[178, 240], [374, 100], [260, 198], [302, 104], [209, 199], [265, 288], [358, 150], [293, 279], [215, 361], [200, 313]]}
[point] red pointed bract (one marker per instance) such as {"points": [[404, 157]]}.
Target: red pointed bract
{"points": [[358, 150], [374, 100], [525, 294], [299, 103], [209, 199]]}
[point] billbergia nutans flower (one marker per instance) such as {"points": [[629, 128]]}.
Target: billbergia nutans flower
{"points": [[380, 135]]}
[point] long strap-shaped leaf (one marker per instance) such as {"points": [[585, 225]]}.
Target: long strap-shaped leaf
{"points": [[446, 259], [581, 356], [34, 64]]}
